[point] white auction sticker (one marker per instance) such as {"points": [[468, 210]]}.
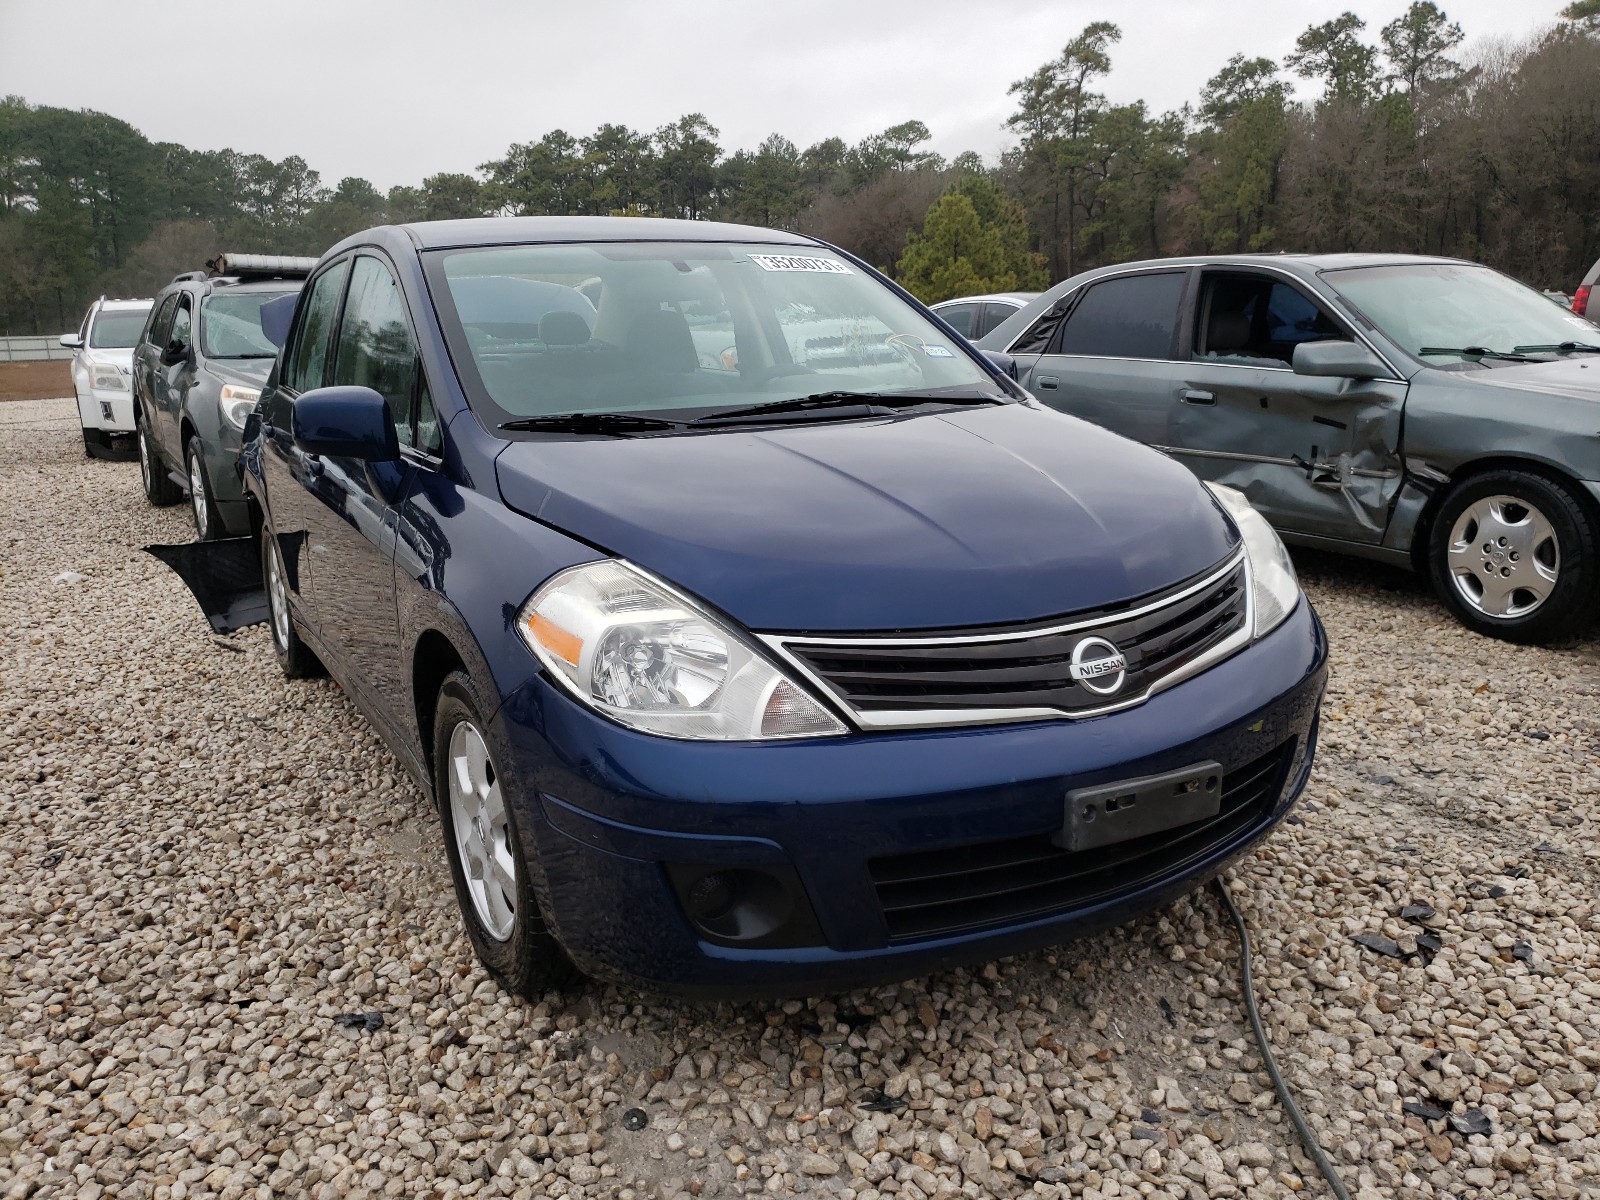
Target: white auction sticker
{"points": [[800, 262]]}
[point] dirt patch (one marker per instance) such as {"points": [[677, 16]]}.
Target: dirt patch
{"points": [[35, 380]]}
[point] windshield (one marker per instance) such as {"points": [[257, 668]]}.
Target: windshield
{"points": [[1437, 310], [230, 324], [685, 327], [118, 330]]}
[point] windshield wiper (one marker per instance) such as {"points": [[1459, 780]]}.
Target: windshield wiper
{"points": [[1559, 348], [619, 424], [1476, 352], [873, 403]]}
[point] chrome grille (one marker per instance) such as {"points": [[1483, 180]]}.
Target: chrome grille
{"points": [[1025, 672]]}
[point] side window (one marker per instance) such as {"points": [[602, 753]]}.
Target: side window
{"points": [[1133, 316], [959, 317], [429, 439], [157, 335], [991, 316], [375, 347], [182, 319], [1255, 321], [310, 353]]}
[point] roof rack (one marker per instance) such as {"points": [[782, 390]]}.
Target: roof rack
{"points": [[184, 275], [261, 266]]}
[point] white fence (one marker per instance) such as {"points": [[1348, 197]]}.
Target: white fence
{"points": [[32, 349]]}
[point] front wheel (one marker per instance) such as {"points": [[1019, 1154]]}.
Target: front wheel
{"points": [[1513, 555], [158, 487], [487, 863], [296, 658], [207, 525]]}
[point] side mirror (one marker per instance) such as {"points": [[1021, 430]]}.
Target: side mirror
{"points": [[1002, 361], [1339, 359], [72, 341], [175, 352], [345, 422]]}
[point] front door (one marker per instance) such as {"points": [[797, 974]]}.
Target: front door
{"points": [[303, 366], [174, 378], [352, 525], [1316, 456]]}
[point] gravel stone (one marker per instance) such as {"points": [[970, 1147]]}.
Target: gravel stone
{"points": [[204, 866]]}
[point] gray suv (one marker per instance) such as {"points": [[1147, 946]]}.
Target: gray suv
{"points": [[1427, 412], [197, 373]]}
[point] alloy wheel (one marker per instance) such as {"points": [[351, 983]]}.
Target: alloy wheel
{"points": [[197, 496], [144, 458], [277, 594], [482, 832], [1504, 557]]}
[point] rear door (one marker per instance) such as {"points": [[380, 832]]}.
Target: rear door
{"points": [[1112, 355], [991, 315], [1316, 456]]}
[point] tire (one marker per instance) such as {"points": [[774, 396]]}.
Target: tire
{"points": [[297, 660], [207, 524], [158, 487], [495, 889], [1516, 556]]}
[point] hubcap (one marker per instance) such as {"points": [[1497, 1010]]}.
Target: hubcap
{"points": [[144, 457], [1504, 557], [197, 494], [277, 597], [482, 832]]}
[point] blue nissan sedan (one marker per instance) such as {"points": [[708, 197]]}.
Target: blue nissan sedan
{"points": [[754, 633]]}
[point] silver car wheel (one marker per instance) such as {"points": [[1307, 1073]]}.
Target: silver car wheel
{"points": [[144, 458], [277, 594], [197, 496], [1504, 557], [482, 832]]}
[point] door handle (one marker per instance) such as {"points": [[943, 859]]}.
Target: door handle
{"points": [[1195, 396], [1047, 381], [314, 467]]}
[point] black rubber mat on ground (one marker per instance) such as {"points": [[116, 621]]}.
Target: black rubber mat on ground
{"points": [[225, 577]]}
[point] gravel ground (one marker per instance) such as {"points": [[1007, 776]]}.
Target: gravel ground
{"points": [[205, 868]]}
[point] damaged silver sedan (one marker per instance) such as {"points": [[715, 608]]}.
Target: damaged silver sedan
{"points": [[1428, 412]]}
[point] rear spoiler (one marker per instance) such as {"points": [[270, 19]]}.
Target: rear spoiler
{"points": [[261, 266]]}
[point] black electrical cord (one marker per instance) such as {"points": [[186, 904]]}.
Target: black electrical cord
{"points": [[1309, 1139]]}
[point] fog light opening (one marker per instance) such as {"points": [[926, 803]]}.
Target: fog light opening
{"points": [[738, 904]]}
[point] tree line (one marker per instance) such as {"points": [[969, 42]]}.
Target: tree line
{"points": [[1408, 145]]}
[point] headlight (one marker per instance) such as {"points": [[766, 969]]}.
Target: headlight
{"points": [[628, 646], [238, 403], [1275, 587], [107, 377]]}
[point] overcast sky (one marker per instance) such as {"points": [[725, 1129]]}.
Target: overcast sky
{"points": [[398, 90]]}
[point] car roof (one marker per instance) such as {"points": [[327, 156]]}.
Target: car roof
{"points": [[1308, 263], [109, 305], [506, 231], [1017, 297]]}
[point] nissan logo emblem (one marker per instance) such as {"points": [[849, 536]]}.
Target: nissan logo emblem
{"points": [[1099, 666]]}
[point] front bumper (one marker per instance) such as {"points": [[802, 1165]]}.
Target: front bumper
{"points": [[909, 852], [109, 412]]}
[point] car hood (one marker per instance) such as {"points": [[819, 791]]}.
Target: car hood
{"points": [[117, 356], [981, 517], [250, 372], [1577, 377]]}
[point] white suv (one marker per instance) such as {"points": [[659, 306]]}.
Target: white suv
{"points": [[102, 364]]}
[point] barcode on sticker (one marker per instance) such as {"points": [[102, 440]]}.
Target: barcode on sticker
{"points": [[799, 262]]}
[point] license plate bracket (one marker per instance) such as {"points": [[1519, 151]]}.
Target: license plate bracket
{"points": [[1132, 808]]}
